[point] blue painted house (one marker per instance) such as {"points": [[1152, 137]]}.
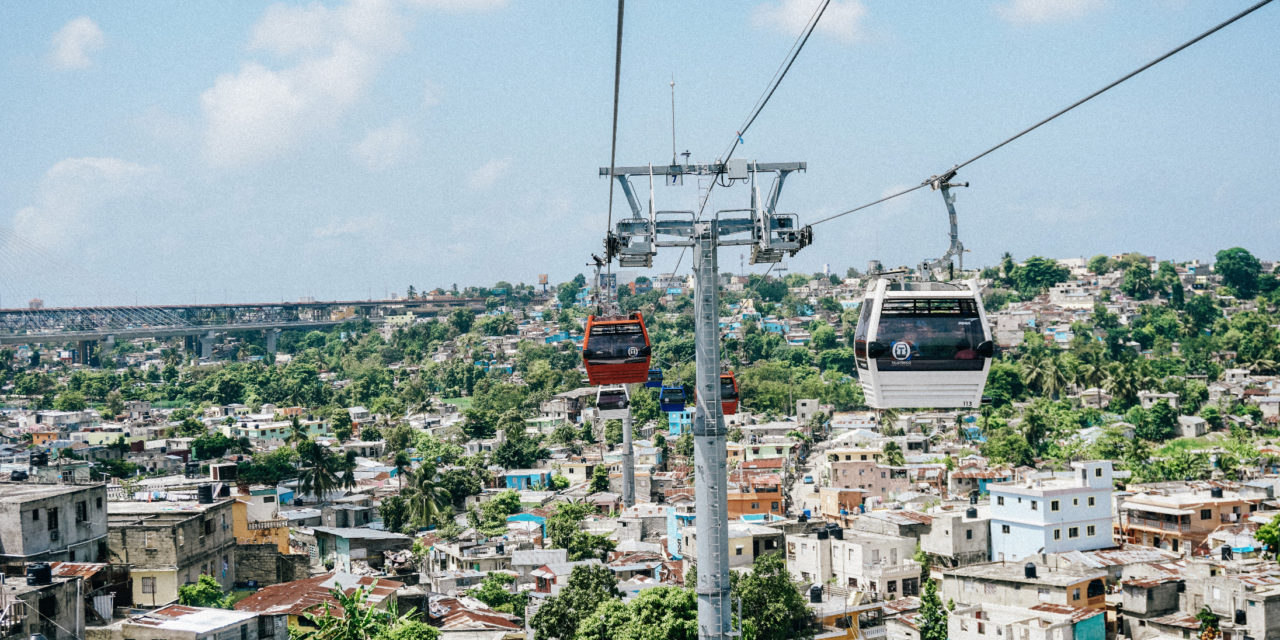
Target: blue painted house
{"points": [[679, 422], [526, 479], [529, 516]]}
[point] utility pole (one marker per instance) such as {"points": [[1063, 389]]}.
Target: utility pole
{"points": [[770, 235]]}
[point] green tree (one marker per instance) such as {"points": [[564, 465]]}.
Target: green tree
{"points": [[600, 479], [1137, 282], [210, 445], [660, 613], [462, 320], [587, 588], [1239, 270], [428, 499], [1037, 274], [1269, 535], [496, 591], [206, 592], [1101, 265], [69, 401], [893, 454], [395, 513], [518, 450], [1159, 424], [320, 470], [356, 619], [933, 617], [773, 608]]}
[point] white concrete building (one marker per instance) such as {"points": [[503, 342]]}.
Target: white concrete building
{"points": [[1052, 514]]}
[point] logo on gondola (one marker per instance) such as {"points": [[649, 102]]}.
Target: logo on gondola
{"points": [[901, 350], [633, 351]]}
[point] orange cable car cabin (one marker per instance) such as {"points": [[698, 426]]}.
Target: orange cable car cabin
{"points": [[616, 350], [728, 394]]}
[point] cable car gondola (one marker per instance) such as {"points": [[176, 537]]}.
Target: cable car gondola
{"points": [[728, 394], [655, 379], [671, 399], [616, 350], [923, 345], [613, 402]]}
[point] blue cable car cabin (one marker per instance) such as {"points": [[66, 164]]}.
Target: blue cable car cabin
{"points": [[671, 398], [655, 379]]}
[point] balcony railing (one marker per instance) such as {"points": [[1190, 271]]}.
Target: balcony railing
{"points": [[268, 524], [1163, 525]]}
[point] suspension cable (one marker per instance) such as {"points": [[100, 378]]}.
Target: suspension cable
{"points": [[613, 143], [1060, 112]]}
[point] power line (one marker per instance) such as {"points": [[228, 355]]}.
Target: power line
{"points": [[1060, 112]]}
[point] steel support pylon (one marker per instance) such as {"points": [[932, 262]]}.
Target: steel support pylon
{"points": [[628, 463], [715, 615]]}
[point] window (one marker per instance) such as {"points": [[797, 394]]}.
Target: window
{"points": [[1075, 594], [1073, 532], [268, 499], [35, 515], [1075, 502], [1054, 505], [755, 505], [1091, 501], [737, 551], [1090, 531], [773, 506], [1004, 528], [1000, 500], [82, 511], [1057, 534], [1034, 505], [148, 585], [1206, 514], [99, 503], [53, 519], [968, 534], [1097, 473]]}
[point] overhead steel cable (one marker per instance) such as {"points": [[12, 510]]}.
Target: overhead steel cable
{"points": [[613, 142], [1060, 112], [758, 107]]}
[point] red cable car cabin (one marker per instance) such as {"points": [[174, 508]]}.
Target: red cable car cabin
{"points": [[616, 350], [728, 394]]}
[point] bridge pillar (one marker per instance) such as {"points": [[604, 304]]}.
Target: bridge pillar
{"points": [[273, 337], [107, 344], [206, 345], [83, 349]]}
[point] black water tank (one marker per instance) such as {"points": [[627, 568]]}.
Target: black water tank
{"points": [[815, 594], [204, 494], [973, 497], [971, 512], [40, 459], [822, 534], [18, 476], [837, 533], [1215, 492], [1030, 570], [1240, 617], [803, 518], [39, 573]]}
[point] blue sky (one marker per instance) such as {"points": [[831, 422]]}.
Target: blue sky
{"points": [[158, 152]]}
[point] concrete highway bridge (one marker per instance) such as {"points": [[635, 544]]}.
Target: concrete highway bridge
{"points": [[87, 326]]}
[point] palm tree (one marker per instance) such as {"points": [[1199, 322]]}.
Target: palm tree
{"points": [[1035, 370], [401, 462], [506, 324], [348, 465], [1121, 381], [319, 475], [426, 497], [297, 434]]}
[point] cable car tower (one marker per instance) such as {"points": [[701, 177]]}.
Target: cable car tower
{"points": [[634, 241]]}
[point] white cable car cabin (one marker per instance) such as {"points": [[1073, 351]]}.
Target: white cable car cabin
{"points": [[923, 345], [613, 402]]}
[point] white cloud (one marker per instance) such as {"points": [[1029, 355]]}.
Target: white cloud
{"points": [[259, 113], [74, 42], [1043, 11], [459, 6], [364, 225], [431, 94], [73, 196], [842, 19], [488, 173], [385, 147]]}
